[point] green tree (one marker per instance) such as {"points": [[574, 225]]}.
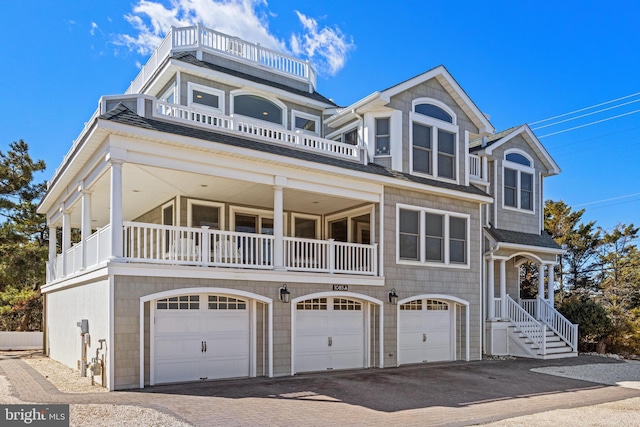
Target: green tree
{"points": [[619, 281], [581, 241], [23, 239], [592, 318]]}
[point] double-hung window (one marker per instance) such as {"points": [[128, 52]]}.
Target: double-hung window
{"points": [[383, 136], [434, 140], [518, 183], [430, 236]]}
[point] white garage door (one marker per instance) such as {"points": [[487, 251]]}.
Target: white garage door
{"points": [[201, 337], [329, 334], [425, 331]]}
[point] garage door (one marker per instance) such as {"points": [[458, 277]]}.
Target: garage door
{"points": [[329, 334], [201, 337], [425, 331]]}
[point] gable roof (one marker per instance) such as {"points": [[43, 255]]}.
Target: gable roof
{"points": [[188, 58], [121, 114], [444, 78], [542, 240], [452, 87], [496, 140]]}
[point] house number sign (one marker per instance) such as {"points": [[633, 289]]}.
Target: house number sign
{"points": [[340, 287]]}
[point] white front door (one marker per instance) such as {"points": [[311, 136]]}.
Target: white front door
{"points": [[201, 337], [425, 331], [329, 334]]}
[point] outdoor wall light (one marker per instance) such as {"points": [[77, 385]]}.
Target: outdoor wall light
{"points": [[393, 297], [285, 295]]}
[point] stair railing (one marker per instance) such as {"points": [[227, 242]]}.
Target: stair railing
{"points": [[567, 331], [527, 324]]}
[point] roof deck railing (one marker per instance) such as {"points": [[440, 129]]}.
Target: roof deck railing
{"points": [[202, 39]]}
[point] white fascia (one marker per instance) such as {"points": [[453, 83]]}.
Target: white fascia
{"points": [[553, 168]]}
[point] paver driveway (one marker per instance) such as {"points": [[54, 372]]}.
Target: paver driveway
{"points": [[435, 394]]}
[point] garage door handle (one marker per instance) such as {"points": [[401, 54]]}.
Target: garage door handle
{"points": [[201, 346], [424, 337], [330, 341], [205, 346]]}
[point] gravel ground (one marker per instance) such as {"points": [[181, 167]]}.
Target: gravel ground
{"points": [[95, 415], [624, 413]]}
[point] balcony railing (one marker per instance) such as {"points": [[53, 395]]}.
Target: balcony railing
{"points": [[477, 167], [162, 244], [257, 130], [207, 40]]}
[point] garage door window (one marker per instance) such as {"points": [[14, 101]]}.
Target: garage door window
{"points": [[312, 304], [184, 302], [346, 304], [217, 302], [437, 305], [412, 305]]}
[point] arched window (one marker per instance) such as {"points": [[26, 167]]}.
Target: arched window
{"points": [[258, 107], [518, 181], [433, 111], [434, 139]]}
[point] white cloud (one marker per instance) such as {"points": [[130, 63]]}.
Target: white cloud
{"points": [[94, 27], [327, 47]]}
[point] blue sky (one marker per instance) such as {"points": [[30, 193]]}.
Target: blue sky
{"points": [[519, 61]]}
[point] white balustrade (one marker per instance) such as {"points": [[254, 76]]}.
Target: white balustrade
{"points": [[567, 331], [163, 244], [256, 130], [476, 168], [214, 42], [527, 324], [529, 305], [497, 307]]}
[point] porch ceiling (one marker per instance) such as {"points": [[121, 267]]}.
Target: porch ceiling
{"points": [[145, 188]]}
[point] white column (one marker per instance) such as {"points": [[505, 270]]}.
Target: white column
{"points": [[66, 239], [550, 283], [53, 249], [540, 288], [115, 215], [278, 222], [86, 223], [503, 288], [490, 289]]}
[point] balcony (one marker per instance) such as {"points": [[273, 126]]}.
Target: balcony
{"points": [[477, 168], [201, 39], [205, 248], [256, 130]]}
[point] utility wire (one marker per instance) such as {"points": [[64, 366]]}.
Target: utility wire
{"points": [[584, 109], [607, 200], [586, 114], [590, 124]]}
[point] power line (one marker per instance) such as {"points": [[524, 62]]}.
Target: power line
{"points": [[586, 115], [584, 109], [590, 124], [607, 200]]}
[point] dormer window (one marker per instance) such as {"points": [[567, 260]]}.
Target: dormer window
{"points": [[259, 108], [434, 140], [305, 122], [518, 173]]}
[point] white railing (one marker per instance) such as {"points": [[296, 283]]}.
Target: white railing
{"points": [[527, 325], [497, 307], [476, 168], [163, 244], [98, 251], [202, 246], [567, 331], [530, 306], [211, 41], [256, 130], [329, 256]]}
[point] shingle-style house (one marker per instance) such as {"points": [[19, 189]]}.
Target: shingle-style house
{"points": [[236, 223]]}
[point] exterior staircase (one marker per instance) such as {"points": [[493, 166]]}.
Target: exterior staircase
{"points": [[543, 334]]}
